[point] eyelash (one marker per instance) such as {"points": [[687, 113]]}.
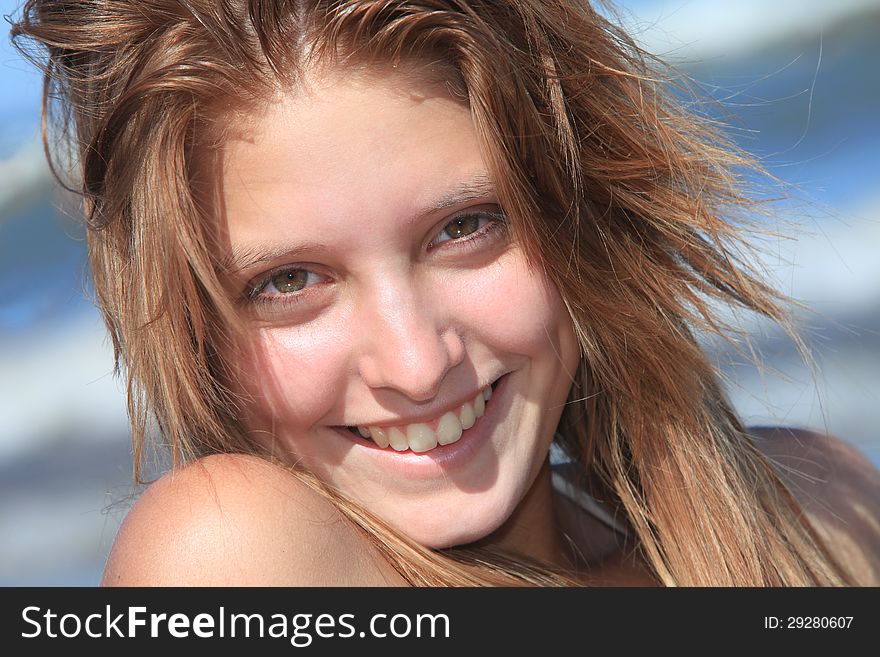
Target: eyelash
{"points": [[497, 223]]}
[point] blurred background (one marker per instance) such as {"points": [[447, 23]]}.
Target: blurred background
{"points": [[798, 82]]}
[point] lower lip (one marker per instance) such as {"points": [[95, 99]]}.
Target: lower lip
{"points": [[442, 458]]}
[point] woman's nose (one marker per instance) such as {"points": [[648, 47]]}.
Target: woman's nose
{"points": [[404, 343]]}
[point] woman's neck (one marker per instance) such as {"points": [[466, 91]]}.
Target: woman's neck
{"points": [[533, 529], [551, 528]]}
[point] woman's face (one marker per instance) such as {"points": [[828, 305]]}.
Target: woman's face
{"points": [[366, 241]]}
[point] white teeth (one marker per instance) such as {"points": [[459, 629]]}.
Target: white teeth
{"points": [[479, 405], [397, 439], [449, 429], [467, 415], [420, 437], [380, 436]]}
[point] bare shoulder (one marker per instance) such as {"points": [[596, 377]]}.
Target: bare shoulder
{"points": [[230, 520], [838, 488]]}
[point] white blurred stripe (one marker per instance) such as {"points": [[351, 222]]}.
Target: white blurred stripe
{"points": [[23, 175], [56, 383], [697, 29]]}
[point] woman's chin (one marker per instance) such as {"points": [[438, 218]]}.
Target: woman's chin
{"points": [[444, 530]]}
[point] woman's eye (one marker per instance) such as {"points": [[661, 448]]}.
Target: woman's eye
{"points": [[469, 226], [462, 226], [292, 280], [284, 282]]}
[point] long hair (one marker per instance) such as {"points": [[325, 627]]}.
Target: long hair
{"points": [[630, 205]]}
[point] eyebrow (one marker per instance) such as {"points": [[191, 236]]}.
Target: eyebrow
{"points": [[243, 259], [478, 187], [474, 189]]}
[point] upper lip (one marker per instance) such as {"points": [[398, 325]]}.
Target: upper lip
{"points": [[424, 417]]}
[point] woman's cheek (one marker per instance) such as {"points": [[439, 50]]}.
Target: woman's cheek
{"points": [[298, 374], [513, 308]]}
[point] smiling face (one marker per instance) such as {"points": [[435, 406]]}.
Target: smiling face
{"points": [[388, 299]]}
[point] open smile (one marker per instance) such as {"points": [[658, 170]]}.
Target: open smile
{"points": [[420, 437]]}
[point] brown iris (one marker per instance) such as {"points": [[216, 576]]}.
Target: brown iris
{"points": [[292, 280], [462, 226]]}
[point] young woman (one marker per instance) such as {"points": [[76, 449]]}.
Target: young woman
{"points": [[410, 291]]}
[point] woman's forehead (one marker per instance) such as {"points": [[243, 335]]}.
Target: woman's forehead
{"points": [[333, 104], [371, 146], [241, 117]]}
